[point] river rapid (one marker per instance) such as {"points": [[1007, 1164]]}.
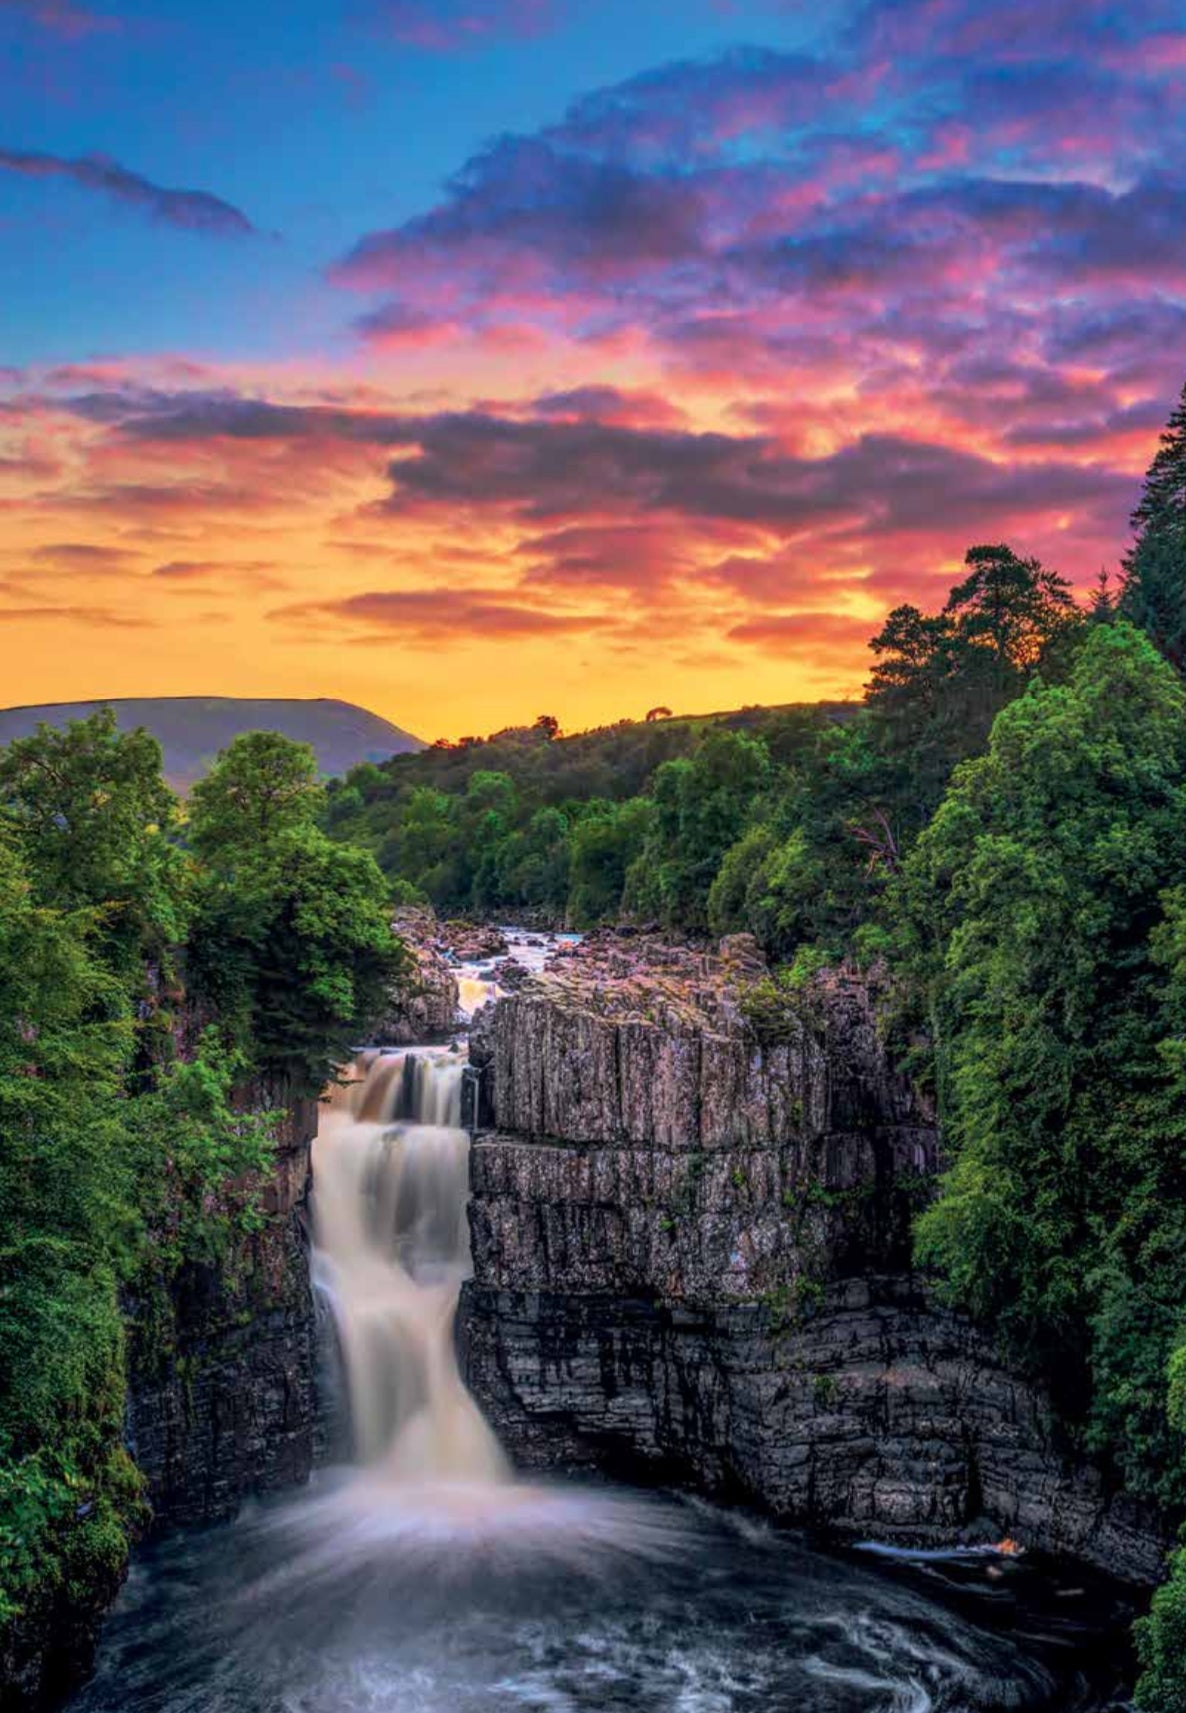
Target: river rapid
{"points": [[426, 1577]]}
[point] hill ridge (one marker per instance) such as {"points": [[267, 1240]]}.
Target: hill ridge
{"points": [[192, 729]]}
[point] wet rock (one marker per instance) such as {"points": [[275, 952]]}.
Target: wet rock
{"points": [[509, 974], [425, 1004], [472, 942]]}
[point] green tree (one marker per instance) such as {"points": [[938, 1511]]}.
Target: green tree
{"points": [[702, 802], [732, 894], [92, 818], [1161, 1645], [1032, 915], [68, 1495], [291, 947], [534, 863], [1153, 583], [1014, 609], [607, 838], [262, 786], [941, 679], [422, 847]]}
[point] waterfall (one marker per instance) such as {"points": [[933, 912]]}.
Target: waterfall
{"points": [[391, 1249]]}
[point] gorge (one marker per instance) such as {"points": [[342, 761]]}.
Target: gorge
{"points": [[682, 1266]]}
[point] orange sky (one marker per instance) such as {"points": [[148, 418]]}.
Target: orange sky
{"points": [[666, 396]]}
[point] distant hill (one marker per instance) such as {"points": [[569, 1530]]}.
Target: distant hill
{"points": [[192, 729]]}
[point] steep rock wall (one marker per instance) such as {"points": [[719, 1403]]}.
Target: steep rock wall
{"points": [[222, 1374], [691, 1258]]}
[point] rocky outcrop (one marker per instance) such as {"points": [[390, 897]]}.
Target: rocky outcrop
{"points": [[472, 942], [690, 1215], [424, 1006], [223, 1360]]}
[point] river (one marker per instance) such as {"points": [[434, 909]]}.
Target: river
{"points": [[428, 1578]]}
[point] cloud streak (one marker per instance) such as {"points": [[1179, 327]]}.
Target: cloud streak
{"points": [[191, 210], [448, 26]]}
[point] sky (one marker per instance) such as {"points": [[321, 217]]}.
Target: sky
{"points": [[473, 359]]}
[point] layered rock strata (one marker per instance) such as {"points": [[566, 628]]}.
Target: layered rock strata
{"points": [[690, 1215]]}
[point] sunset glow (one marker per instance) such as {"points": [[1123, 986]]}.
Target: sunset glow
{"points": [[466, 361]]}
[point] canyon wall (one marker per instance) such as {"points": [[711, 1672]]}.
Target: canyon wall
{"points": [[691, 1202], [223, 1360]]}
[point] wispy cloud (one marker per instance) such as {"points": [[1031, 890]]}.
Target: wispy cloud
{"points": [[60, 17], [445, 26], [193, 210]]}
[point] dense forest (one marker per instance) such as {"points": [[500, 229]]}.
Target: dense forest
{"points": [[126, 1148], [999, 825]]}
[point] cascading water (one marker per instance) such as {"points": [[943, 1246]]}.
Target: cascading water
{"points": [[428, 1580], [391, 1169]]}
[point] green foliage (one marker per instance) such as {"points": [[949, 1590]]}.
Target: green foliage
{"points": [[91, 815], [293, 953], [118, 1166], [1034, 917], [200, 1158], [941, 679], [530, 821], [730, 897], [1161, 1645], [701, 802], [291, 945], [66, 1187], [262, 786], [1153, 589], [607, 839]]}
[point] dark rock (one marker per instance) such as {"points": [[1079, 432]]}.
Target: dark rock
{"points": [[510, 974], [691, 1237], [222, 1391], [425, 1005], [472, 942]]}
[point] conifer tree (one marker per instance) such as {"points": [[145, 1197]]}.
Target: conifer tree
{"points": [[1153, 592]]}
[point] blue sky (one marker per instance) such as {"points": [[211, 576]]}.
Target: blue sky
{"points": [[464, 357]]}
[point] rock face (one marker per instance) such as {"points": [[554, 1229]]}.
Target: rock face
{"points": [[222, 1385], [690, 1217], [222, 1402], [425, 1006]]}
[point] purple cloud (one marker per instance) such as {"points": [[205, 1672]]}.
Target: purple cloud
{"points": [[59, 17], [193, 210], [444, 26]]}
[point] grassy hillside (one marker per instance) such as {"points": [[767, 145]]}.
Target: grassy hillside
{"points": [[192, 729]]}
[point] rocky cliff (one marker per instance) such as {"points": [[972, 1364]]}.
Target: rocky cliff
{"points": [[221, 1402], [424, 1004], [690, 1217], [222, 1370]]}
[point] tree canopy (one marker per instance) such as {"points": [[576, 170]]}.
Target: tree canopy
{"points": [[1153, 586]]}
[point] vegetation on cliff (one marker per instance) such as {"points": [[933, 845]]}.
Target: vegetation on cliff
{"points": [[1000, 822], [122, 1151]]}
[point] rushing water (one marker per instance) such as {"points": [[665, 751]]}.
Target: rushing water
{"points": [[427, 1579], [391, 1165]]}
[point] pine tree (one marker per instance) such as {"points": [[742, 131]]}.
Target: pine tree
{"points": [[1153, 584]]}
